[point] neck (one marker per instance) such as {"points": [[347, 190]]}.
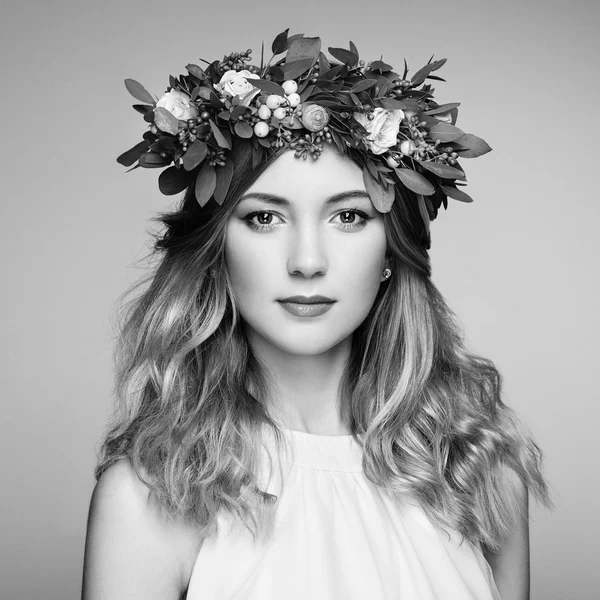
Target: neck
{"points": [[304, 388]]}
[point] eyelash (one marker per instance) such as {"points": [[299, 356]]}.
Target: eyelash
{"points": [[259, 227]]}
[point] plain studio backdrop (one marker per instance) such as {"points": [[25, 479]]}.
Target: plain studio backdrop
{"points": [[519, 265]]}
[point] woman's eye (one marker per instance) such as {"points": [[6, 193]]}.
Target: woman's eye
{"points": [[260, 220], [349, 221]]}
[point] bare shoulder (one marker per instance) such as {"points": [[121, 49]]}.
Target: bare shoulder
{"points": [[133, 549]]}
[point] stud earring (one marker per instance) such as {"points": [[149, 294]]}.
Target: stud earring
{"points": [[387, 273]]}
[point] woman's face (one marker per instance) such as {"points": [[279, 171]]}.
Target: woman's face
{"points": [[305, 228]]}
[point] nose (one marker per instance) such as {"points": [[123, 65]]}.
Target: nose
{"points": [[307, 256]]}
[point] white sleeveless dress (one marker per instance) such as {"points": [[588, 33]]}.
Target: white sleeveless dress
{"points": [[339, 536]]}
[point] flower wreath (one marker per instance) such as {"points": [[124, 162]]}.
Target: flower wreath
{"points": [[389, 124]]}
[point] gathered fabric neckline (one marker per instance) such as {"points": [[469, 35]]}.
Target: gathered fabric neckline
{"points": [[325, 452]]}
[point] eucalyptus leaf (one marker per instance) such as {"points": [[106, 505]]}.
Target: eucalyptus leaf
{"points": [[471, 146], [206, 183], [296, 68], [196, 71], [445, 132], [456, 193], [243, 129], [194, 155], [392, 104], [291, 39], [142, 108], [219, 136], [415, 181], [268, 86], [344, 56], [353, 48], [128, 158], [442, 170], [304, 47], [153, 160], [224, 176], [172, 181], [381, 197], [363, 85], [280, 42], [165, 121], [379, 65], [139, 92], [443, 108], [339, 71]]}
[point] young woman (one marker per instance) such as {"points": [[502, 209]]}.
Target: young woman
{"points": [[300, 417]]}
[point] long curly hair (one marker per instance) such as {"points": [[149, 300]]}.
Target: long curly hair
{"points": [[192, 395]]}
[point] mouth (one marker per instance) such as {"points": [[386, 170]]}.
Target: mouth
{"points": [[306, 306], [308, 300]]}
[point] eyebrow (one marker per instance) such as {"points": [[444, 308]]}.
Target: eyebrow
{"points": [[280, 201]]}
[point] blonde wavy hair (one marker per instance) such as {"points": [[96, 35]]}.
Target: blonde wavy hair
{"points": [[193, 396]]}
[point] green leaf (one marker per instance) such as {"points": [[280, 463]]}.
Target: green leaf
{"points": [[206, 183], [445, 133], [128, 158], [474, 146], [379, 65], [194, 155], [344, 56], [442, 170], [202, 92], [292, 39], [196, 71], [419, 77], [219, 137], [305, 47], [139, 92], [353, 48], [153, 160], [296, 68], [243, 129], [415, 181], [339, 71], [267, 86], [363, 85], [456, 193], [224, 176], [280, 42], [381, 197], [444, 108], [392, 104], [165, 121], [172, 181], [143, 108]]}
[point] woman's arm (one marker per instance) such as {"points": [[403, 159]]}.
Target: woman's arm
{"points": [[131, 550], [510, 564]]}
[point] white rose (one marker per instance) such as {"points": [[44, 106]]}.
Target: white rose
{"points": [[179, 105], [383, 128], [234, 83]]}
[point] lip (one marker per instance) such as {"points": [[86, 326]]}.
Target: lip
{"points": [[316, 299], [305, 309]]}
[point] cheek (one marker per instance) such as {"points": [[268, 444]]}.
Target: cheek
{"points": [[250, 268]]}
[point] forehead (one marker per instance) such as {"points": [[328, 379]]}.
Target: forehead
{"points": [[309, 180]]}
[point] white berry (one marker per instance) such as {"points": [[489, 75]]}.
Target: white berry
{"points": [[279, 113], [289, 87], [261, 129], [392, 162], [293, 100], [273, 101], [264, 112]]}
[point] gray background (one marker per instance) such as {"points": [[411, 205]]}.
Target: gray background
{"points": [[519, 265]]}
